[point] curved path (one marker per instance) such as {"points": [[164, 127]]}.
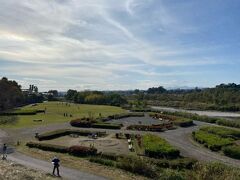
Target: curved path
{"points": [[30, 162], [181, 138]]}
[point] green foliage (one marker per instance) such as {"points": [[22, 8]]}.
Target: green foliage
{"points": [[93, 124], [73, 150], [95, 97], [177, 120], [179, 163], [48, 147], [193, 116], [10, 94], [213, 171], [158, 147], [225, 97], [229, 123], [232, 151], [106, 126], [82, 151], [8, 120], [21, 112], [222, 131], [64, 132], [170, 174], [105, 162], [211, 141], [137, 165]]}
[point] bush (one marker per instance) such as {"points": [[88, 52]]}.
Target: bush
{"points": [[179, 121], [137, 165], [93, 124], [170, 174], [157, 147], [106, 126], [230, 123], [81, 123], [65, 132], [213, 171], [211, 141], [232, 151], [82, 151], [180, 163], [8, 120], [190, 116], [155, 128], [105, 162], [109, 156], [222, 131], [48, 147], [21, 112]]}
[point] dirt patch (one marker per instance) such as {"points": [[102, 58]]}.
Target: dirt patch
{"points": [[105, 144]]}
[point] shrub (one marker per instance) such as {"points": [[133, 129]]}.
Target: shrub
{"points": [[21, 112], [105, 162], [64, 132], [8, 120], [158, 147], [179, 163], [94, 124], [179, 121], [230, 123], [170, 174], [232, 151], [48, 147], [106, 126], [213, 171], [109, 156], [80, 123], [156, 128], [221, 131], [211, 141], [137, 165], [190, 116], [82, 151]]}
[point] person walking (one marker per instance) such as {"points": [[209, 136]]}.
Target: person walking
{"points": [[56, 165], [4, 151]]}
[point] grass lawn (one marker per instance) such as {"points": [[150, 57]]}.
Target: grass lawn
{"points": [[55, 113]]}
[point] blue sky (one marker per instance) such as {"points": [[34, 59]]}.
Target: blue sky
{"points": [[127, 44]]}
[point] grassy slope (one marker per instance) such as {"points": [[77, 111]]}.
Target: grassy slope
{"points": [[55, 111], [12, 171]]}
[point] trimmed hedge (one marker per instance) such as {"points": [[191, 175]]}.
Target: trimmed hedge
{"points": [[48, 147], [155, 128], [73, 150], [82, 151], [106, 126], [232, 151], [192, 116], [157, 147], [229, 123], [211, 141], [121, 116], [21, 112], [65, 132], [178, 121], [94, 124], [222, 131]]}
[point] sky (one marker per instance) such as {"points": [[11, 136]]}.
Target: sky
{"points": [[120, 44]]}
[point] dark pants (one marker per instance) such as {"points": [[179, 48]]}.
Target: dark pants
{"points": [[54, 168]]}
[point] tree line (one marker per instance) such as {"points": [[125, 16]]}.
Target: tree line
{"points": [[224, 97], [95, 97]]}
